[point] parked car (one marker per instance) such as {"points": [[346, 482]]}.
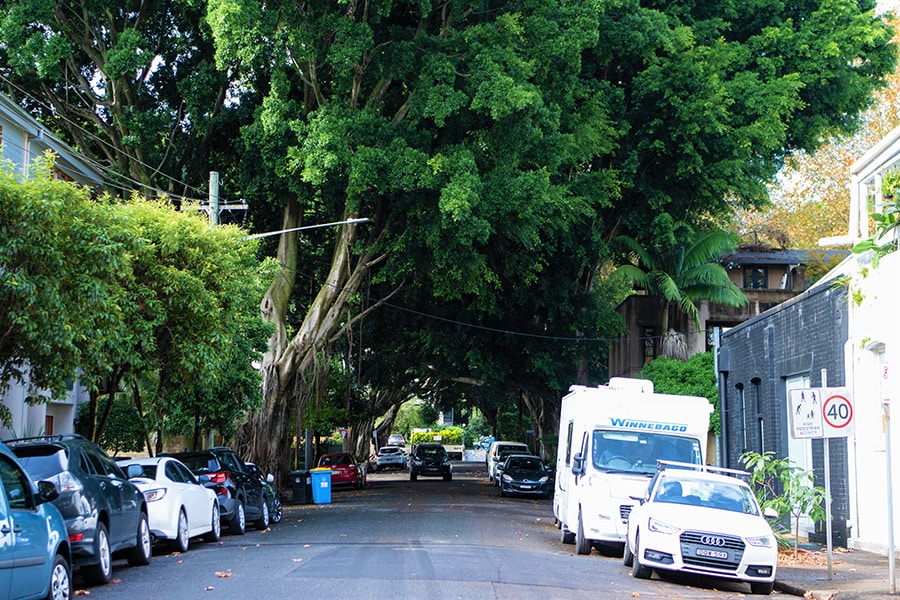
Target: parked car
{"points": [[492, 458], [430, 459], [37, 560], [524, 474], [105, 514], [705, 522], [240, 493], [395, 439], [344, 469], [179, 505], [390, 457], [276, 508]]}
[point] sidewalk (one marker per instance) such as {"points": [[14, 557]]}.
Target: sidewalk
{"points": [[855, 574]]}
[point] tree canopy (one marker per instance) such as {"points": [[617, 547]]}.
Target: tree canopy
{"points": [[496, 148]]}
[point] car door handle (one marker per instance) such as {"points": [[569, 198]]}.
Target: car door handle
{"points": [[5, 529]]}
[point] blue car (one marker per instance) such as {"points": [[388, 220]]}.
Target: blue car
{"points": [[35, 558]]}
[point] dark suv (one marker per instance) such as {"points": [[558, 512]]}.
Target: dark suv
{"points": [[241, 497], [104, 512], [430, 459]]}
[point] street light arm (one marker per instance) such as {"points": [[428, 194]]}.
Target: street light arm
{"points": [[271, 233]]}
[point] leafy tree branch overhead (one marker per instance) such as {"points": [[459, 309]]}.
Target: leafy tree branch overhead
{"points": [[497, 148]]}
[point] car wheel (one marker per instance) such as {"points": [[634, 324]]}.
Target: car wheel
{"points": [[763, 588], [448, 477], [502, 491], [238, 523], [277, 511], [412, 476], [582, 545], [100, 573], [627, 556], [263, 521], [182, 536], [141, 553], [639, 571], [215, 530], [60, 579], [565, 536]]}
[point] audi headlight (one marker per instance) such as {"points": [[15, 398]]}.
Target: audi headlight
{"points": [[764, 541], [660, 527], [544, 479], [507, 478]]}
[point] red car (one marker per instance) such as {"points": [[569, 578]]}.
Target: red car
{"points": [[344, 469]]}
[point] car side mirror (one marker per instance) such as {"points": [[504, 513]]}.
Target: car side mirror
{"points": [[47, 492], [133, 471], [770, 513], [578, 464]]}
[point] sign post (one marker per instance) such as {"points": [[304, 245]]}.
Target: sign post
{"points": [[822, 413]]}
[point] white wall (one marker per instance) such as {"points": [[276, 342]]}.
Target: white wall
{"points": [[873, 356]]}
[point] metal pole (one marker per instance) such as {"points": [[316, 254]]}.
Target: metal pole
{"points": [[827, 486], [214, 198], [892, 574]]}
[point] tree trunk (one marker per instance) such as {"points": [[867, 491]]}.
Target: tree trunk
{"points": [[264, 437]]}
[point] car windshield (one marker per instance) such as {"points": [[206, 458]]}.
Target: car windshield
{"points": [[200, 463], [430, 451], [389, 451], [633, 452], [525, 463], [148, 471], [42, 462], [711, 494]]}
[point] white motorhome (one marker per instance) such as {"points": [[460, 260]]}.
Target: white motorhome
{"points": [[610, 438]]}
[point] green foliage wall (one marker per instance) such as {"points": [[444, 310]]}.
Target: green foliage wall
{"points": [[693, 377]]}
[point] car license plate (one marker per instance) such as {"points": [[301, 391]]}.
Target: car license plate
{"points": [[712, 553]]}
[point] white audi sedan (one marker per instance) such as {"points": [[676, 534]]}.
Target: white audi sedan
{"points": [[701, 520], [180, 507]]}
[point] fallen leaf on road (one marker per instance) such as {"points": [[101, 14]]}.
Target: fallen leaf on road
{"points": [[208, 588], [114, 581], [223, 574], [82, 592], [306, 545], [297, 559]]}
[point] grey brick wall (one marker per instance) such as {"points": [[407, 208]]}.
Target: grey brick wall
{"points": [[799, 337]]}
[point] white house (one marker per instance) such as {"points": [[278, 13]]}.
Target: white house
{"points": [[873, 344], [22, 139]]}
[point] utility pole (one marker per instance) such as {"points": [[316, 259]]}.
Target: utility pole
{"points": [[213, 198]]}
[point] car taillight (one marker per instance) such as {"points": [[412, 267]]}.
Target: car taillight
{"points": [[66, 482], [76, 537], [219, 476]]}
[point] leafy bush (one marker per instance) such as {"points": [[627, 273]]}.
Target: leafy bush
{"points": [[786, 487], [124, 432]]}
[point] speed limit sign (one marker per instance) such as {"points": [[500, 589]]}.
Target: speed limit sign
{"points": [[837, 414]]}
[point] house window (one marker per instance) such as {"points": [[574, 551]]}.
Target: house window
{"points": [[760, 422], [649, 337], [742, 409], [756, 278], [48, 425]]}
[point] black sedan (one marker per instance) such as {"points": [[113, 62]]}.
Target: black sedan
{"points": [[524, 474]]}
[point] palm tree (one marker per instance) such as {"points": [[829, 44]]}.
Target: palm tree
{"points": [[683, 271]]}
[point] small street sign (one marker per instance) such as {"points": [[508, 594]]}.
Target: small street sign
{"points": [[820, 413]]}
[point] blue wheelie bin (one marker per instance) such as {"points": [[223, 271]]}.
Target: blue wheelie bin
{"points": [[321, 485]]}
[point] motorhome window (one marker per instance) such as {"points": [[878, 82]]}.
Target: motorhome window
{"points": [[569, 444], [633, 452]]}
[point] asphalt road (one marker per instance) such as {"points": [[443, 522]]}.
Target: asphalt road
{"points": [[399, 539]]}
